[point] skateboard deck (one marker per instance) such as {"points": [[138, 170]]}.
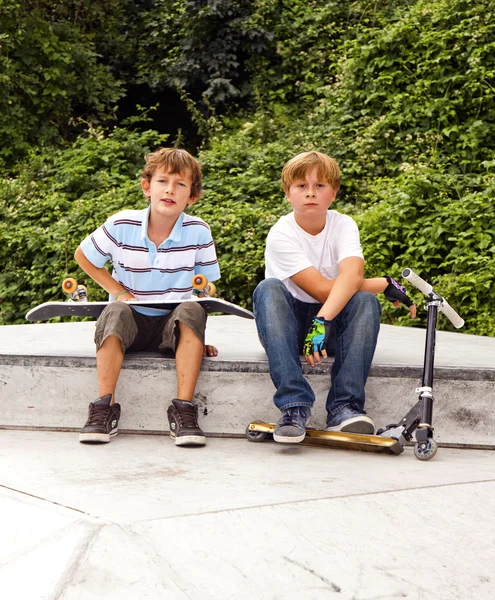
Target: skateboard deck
{"points": [[48, 310], [258, 431]]}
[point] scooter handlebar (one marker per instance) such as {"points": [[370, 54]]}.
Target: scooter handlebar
{"points": [[417, 282], [424, 287], [456, 320]]}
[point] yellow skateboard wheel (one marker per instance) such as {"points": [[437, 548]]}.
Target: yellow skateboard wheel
{"points": [[69, 285], [199, 282], [202, 287]]}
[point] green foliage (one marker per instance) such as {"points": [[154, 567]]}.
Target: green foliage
{"points": [[420, 89], [443, 227], [50, 76], [203, 47]]}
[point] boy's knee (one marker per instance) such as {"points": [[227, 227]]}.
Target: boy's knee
{"points": [[366, 303], [116, 320], [191, 313], [269, 288], [188, 314]]}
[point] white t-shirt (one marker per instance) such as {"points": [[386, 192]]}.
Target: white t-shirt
{"points": [[290, 249]]}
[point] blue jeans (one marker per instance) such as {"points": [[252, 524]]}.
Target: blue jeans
{"points": [[283, 323]]}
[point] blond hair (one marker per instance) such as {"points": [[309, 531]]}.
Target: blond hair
{"points": [[296, 168], [174, 160]]}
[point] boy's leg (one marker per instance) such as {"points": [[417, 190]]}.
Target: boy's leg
{"points": [[115, 331], [188, 358], [357, 329], [280, 321], [184, 332], [109, 359]]}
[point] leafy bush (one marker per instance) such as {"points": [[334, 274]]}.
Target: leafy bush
{"points": [[51, 76], [443, 227]]}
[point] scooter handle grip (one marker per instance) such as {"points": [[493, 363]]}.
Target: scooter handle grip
{"points": [[451, 315], [417, 282], [423, 286]]}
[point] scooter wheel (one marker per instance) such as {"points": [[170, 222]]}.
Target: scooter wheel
{"points": [[425, 450], [255, 436]]}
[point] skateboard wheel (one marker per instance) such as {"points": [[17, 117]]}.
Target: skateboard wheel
{"points": [[255, 436], [199, 282], [211, 289], [425, 450], [69, 285]]}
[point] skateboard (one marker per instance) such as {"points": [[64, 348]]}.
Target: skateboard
{"points": [[79, 306], [258, 431]]}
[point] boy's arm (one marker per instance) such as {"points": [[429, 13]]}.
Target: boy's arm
{"points": [[101, 276], [333, 295], [317, 286]]}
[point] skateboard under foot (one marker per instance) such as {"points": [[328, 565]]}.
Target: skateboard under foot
{"points": [[258, 431]]}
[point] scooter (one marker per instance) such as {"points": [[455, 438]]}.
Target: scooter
{"points": [[392, 438]]}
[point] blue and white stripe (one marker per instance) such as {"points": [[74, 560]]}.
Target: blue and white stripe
{"points": [[150, 273]]}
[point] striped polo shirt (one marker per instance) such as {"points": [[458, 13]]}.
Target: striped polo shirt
{"points": [[151, 273]]}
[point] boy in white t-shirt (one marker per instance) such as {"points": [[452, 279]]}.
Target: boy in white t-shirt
{"points": [[315, 300]]}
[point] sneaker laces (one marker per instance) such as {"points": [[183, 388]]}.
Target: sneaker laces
{"points": [[97, 415], [188, 416], [291, 413]]}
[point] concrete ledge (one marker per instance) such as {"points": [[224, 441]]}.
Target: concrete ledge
{"points": [[47, 379]]}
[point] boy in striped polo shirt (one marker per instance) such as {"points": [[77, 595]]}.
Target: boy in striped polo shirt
{"points": [[154, 253]]}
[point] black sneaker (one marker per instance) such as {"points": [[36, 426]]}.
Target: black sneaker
{"points": [[103, 420], [291, 427], [183, 421]]}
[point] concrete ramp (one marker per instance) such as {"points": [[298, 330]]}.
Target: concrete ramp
{"points": [[48, 377], [140, 518]]}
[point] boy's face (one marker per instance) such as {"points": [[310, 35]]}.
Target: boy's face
{"points": [[169, 193], [311, 196]]}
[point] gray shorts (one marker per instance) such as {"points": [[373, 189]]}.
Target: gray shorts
{"points": [[138, 332]]}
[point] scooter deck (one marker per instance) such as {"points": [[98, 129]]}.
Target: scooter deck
{"points": [[333, 439]]}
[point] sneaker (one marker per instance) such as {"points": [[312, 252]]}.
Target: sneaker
{"points": [[352, 421], [183, 421], [103, 420], [291, 427]]}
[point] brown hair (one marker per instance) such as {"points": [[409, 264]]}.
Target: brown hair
{"points": [[174, 160], [297, 167]]}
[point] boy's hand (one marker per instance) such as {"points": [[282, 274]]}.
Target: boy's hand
{"points": [[396, 294], [127, 297], [316, 340], [210, 351]]}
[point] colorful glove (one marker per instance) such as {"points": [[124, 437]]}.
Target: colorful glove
{"points": [[394, 291], [317, 336]]}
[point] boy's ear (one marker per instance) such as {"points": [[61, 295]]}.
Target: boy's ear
{"points": [[145, 186], [192, 200]]}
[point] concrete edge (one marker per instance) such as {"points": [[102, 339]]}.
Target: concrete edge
{"points": [[148, 361]]}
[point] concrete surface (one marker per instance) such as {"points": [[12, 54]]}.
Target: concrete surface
{"points": [[139, 518], [237, 341], [47, 379]]}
